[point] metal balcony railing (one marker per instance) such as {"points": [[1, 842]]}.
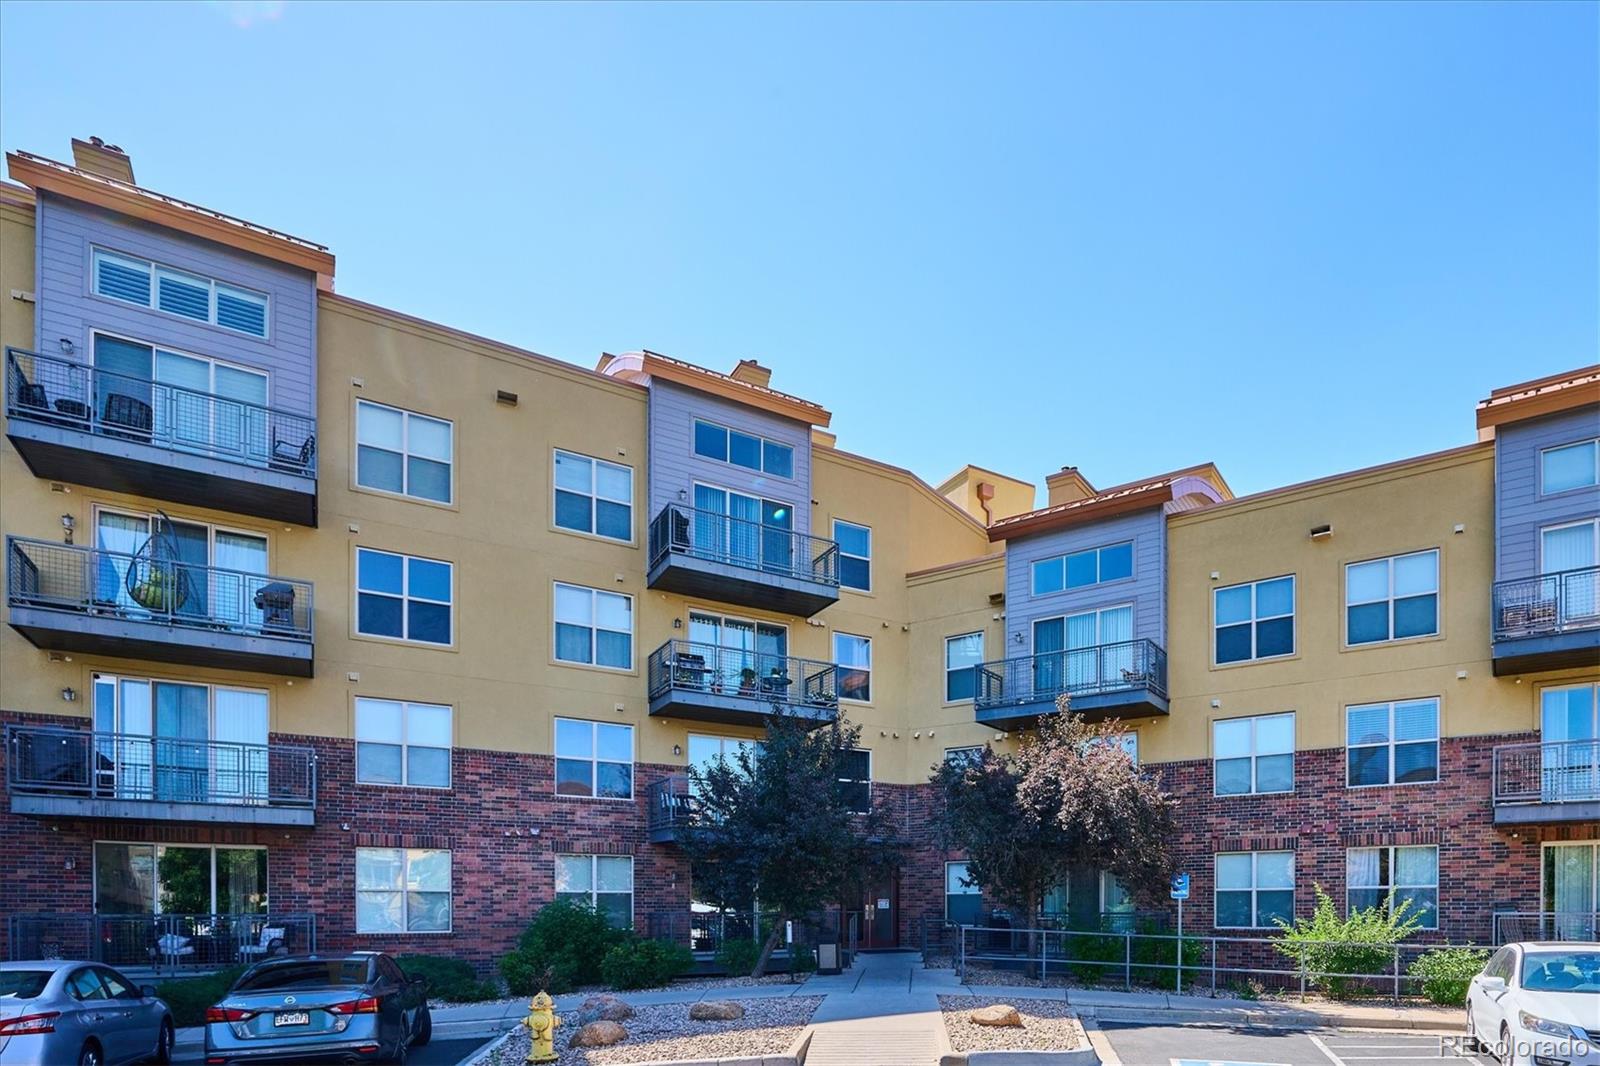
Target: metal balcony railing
{"points": [[1547, 604], [669, 804], [58, 761], [1513, 926], [162, 942], [94, 581], [42, 388], [1560, 771], [719, 538], [687, 666], [1126, 666]]}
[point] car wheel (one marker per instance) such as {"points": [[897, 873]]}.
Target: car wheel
{"points": [[1505, 1053], [401, 1050], [424, 1028], [90, 1055], [164, 1042]]}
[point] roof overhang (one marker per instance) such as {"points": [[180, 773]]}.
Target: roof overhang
{"points": [[645, 366], [1542, 396]]}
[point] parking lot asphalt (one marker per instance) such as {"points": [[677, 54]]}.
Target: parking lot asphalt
{"points": [[441, 1051], [1205, 1045]]}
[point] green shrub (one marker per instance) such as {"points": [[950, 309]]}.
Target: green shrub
{"points": [[1446, 973], [561, 949], [1157, 949], [1326, 944], [1096, 955], [645, 964], [449, 979], [802, 959], [738, 957], [188, 997]]}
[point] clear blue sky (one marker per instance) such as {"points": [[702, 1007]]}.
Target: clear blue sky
{"points": [[1292, 239]]}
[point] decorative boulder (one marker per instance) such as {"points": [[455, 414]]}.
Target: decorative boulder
{"points": [[716, 1010], [1001, 1014], [604, 1009], [599, 1034]]}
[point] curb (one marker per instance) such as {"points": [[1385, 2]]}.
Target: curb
{"points": [[1078, 1057], [483, 1053], [1262, 1019]]}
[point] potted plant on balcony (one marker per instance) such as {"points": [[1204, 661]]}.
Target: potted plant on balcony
{"points": [[747, 682], [154, 589]]}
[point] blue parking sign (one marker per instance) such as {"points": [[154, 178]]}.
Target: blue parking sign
{"points": [[1180, 886]]}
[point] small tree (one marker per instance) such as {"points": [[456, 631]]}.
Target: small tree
{"points": [[1334, 952], [775, 823]]}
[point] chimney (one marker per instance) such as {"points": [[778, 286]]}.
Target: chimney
{"points": [[751, 373], [106, 160], [1066, 486]]}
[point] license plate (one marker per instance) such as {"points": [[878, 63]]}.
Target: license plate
{"points": [[291, 1017]]}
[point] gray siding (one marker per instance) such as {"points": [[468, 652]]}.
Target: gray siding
{"points": [[674, 467], [1148, 532], [66, 309], [1520, 511]]}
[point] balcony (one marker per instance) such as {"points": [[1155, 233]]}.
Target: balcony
{"points": [[736, 561], [1513, 926], [1549, 622], [78, 599], [1127, 679], [160, 944], [74, 422], [1556, 781], [670, 808], [58, 772], [710, 683]]}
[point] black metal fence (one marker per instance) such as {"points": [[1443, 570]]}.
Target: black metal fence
{"points": [[1513, 926], [1128, 665], [710, 668], [1548, 603], [742, 542], [1562, 771], [161, 942]]}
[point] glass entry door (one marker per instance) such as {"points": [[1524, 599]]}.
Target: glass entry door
{"points": [[1091, 665], [1570, 751], [743, 529], [182, 743], [1572, 890]]}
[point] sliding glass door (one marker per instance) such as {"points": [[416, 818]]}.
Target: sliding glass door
{"points": [[743, 529], [746, 653], [1570, 732], [182, 400], [184, 568], [1572, 890], [177, 742], [179, 879]]}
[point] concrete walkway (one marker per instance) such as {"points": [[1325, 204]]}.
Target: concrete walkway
{"points": [[883, 1011]]}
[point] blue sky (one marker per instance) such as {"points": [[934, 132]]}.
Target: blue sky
{"points": [[1291, 239]]}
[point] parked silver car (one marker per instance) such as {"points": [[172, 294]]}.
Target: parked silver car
{"points": [[55, 1013]]}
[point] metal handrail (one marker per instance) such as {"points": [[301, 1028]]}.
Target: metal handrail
{"points": [[1553, 771], [72, 577], [170, 941], [59, 761], [1123, 666], [720, 538], [1547, 603], [1513, 926], [711, 668], [669, 803], [61, 392]]}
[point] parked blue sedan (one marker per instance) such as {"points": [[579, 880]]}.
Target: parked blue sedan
{"points": [[56, 1013], [359, 1007]]}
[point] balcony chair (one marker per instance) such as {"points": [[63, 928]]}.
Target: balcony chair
{"points": [[127, 416], [169, 948], [293, 458], [274, 941]]}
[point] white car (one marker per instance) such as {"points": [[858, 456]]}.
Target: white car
{"points": [[1538, 1005]]}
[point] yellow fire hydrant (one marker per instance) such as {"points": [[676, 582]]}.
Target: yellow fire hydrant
{"points": [[541, 1022]]}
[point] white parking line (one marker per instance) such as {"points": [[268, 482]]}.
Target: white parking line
{"points": [[1336, 1060]]}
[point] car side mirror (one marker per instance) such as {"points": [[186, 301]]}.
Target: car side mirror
{"points": [[1492, 984], [147, 991]]}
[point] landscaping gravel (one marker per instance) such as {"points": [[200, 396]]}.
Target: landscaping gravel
{"points": [[769, 1027], [1046, 1026], [708, 983]]}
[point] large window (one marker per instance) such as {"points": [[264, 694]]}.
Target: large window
{"points": [[961, 658], [1082, 569], [963, 899], [712, 441], [594, 627], [855, 555], [163, 748], [199, 299], [1254, 754], [853, 656], [1573, 546], [404, 597], [1392, 743], [179, 879], [855, 779], [1571, 466], [605, 882], [190, 401], [402, 890], [1393, 598], [594, 496], [401, 743], [594, 759], [964, 756], [1254, 889], [1255, 620], [404, 453], [1386, 877]]}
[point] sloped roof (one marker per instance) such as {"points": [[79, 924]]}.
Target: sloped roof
{"points": [[1541, 396], [1118, 499]]}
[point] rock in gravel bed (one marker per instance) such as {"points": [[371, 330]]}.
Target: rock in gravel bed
{"points": [[664, 1031], [1001, 1014], [604, 1009], [715, 1010], [1046, 1025], [599, 1034]]}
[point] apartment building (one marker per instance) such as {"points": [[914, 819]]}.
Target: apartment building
{"points": [[328, 624]]}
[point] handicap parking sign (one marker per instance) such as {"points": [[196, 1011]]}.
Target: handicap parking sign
{"points": [[1180, 886]]}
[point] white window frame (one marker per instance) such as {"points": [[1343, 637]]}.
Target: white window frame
{"points": [[1255, 755], [975, 667], [1255, 887], [1096, 551], [405, 492], [840, 666], [155, 903], [1389, 598], [728, 431], [594, 628], [1256, 620], [154, 269], [1592, 443], [593, 759], [1594, 529], [1394, 884], [594, 878], [404, 597], [857, 781], [405, 744], [594, 495], [1390, 744], [404, 891], [867, 558]]}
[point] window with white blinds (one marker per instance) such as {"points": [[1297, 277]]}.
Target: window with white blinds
{"points": [[175, 292]]}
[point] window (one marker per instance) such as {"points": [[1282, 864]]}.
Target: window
{"points": [[1392, 743], [1254, 888], [962, 655], [594, 627], [1571, 466], [404, 453], [855, 555], [855, 779], [1385, 877], [1081, 569], [963, 899], [1253, 754], [594, 759], [402, 890], [966, 756], [1254, 620], [853, 656], [1574, 546], [199, 299], [403, 597], [195, 401], [179, 879], [1392, 599], [400, 743], [605, 882], [743, 449], [594, 496]]}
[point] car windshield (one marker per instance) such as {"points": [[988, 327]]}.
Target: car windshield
{"points": [[23, 984], [1561, 971], [308, 974]]}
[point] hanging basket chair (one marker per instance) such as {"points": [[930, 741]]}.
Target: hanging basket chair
{"points": [[156, 578]]}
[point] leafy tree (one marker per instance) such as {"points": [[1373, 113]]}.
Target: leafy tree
{"points": [[775, 823]]}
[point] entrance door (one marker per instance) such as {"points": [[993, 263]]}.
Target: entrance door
{"points": [[1572, 890], [881, 915], [1092, 665], [1570, 732]]}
